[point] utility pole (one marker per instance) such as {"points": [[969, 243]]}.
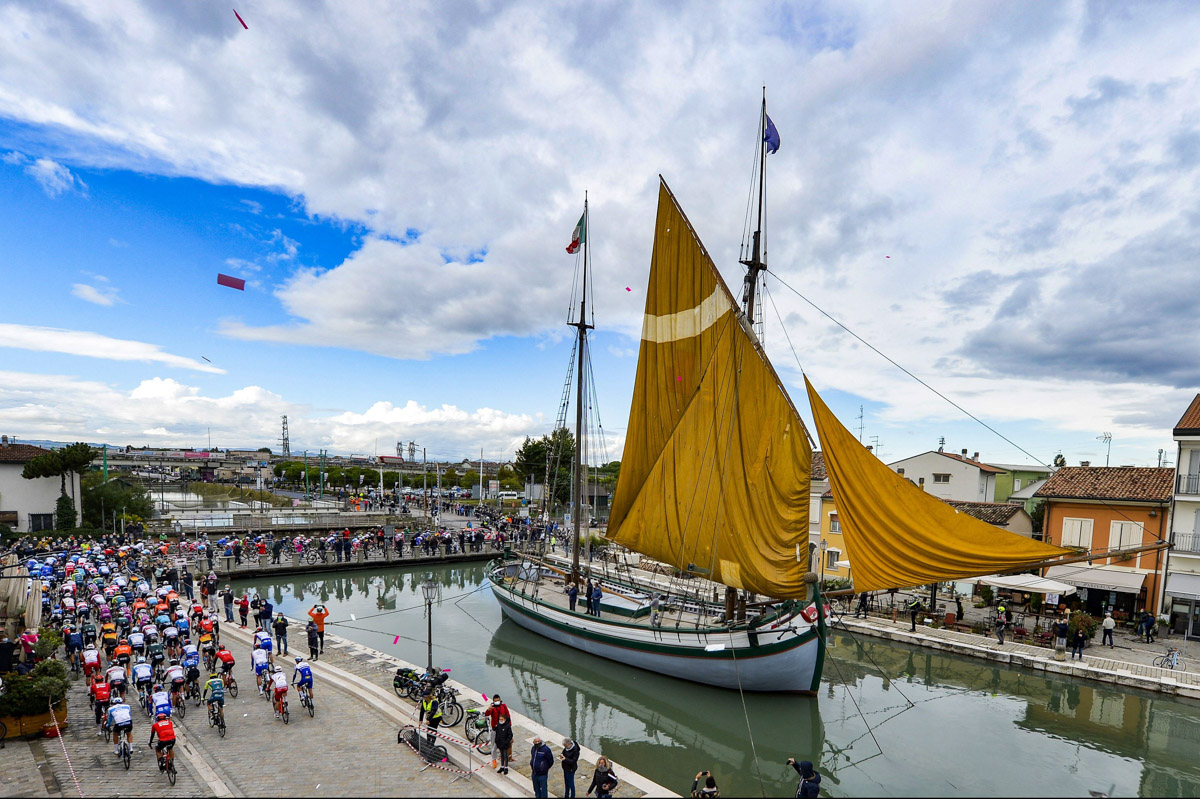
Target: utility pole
{"points": [[424, 485]]}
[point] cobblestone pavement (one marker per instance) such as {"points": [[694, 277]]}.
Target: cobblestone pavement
{"points": [[347, 749]]}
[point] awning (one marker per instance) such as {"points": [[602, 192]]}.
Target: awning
{"points": [[843, 564], [1184, 586], [1098, 577], [1028, 582]]}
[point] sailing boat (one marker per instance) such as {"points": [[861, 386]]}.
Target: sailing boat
{"points": [[715, 481]]}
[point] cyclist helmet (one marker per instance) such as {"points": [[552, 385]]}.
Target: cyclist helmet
{"points": [[157, 686], [141, 659], [258, 629], [187, 640], [220, 647], [299, 659], [174, 661], [212, 676], [91, 646], [124, 641], [278, 669], [160, 717]]}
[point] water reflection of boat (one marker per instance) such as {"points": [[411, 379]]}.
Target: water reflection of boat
{"points": [[674, 714]]}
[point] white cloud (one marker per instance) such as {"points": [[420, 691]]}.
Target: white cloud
{"points": [[97, 295], [54, 178], [976, 144], [165, 412], [13, 158], [93, 345]]}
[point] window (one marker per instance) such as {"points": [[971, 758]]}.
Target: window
{"points": [[941, 478], [1077, 533], [832, 556], [1125, 534], [41, 521], [1016, 484], [834, 525]]}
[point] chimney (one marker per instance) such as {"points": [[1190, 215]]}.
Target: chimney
{"points": [[1085, 464], [940, 448], [964, 453], [900, 471], [921, 483], [870, 448], [4, 440], [975, 457]]}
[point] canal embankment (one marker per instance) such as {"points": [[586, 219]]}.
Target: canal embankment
{"points": [[1096, 667], [227, 568]]}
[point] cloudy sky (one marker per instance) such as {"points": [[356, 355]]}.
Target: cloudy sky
{"points": [[1000, 196]]}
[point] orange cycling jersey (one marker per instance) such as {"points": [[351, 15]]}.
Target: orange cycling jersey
{"points": [[123, 649], [161, 607], [206, 624], [138, 604]]}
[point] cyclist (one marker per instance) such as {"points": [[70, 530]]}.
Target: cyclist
{"points": [[280, 683], [191, 663], [100, 696], [214, 694], [159, 702], [258, 660], [175, 677], [123, 655], [143, 675], [262, 640], [170, 636], [208, 648], [74, 641], [164, 730], [156, 655], [303, 676], [91, 661], [184, 626], [89, 631], [137, 641], [115, 677], [108, 636], [120, 720], [226, 659]]}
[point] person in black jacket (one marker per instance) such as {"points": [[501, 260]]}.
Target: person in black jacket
{"points": [[570, 764], [810, 780], [604, 780], [541, 759], [504, 742]]}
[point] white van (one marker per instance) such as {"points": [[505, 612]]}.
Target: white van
{"points": [[509, 495]]}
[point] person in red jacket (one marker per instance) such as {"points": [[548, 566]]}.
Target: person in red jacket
{"points": [[164, 730], [493, 714], [100, 694]]}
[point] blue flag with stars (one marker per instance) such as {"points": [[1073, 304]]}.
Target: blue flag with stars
{"points": [[771, 136]]}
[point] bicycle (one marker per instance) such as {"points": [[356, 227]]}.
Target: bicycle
{"points": [[283, 710], [126, 752], [452, 711], [1169, 660], [306, 701], [479, 731], [230, 684], [216, 718], [166, 762], [179, 705], [193, 692]]}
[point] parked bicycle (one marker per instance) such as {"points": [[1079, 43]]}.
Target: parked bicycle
{"points": [[1169, 660], [479, 731]]}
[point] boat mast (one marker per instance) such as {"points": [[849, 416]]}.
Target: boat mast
{"points": [[582, 327], [756, 264]]}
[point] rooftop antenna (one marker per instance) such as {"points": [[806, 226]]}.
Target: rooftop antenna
{"points": [[941, 443], [876, 448], [1107, 439], [860, 423]]}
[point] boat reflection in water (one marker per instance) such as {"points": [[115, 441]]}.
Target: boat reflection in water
{"points": [[696, 727], [972, 728]]}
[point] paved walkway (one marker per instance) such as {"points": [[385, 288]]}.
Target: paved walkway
{"points": [[1128, 666]]}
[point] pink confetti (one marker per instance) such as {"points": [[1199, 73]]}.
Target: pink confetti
{"points": [[484, 697], [629, 289], [447, 671], [678, 378], [887, 256], [396, 641]]}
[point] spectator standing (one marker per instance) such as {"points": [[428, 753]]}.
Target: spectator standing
{"points": [[493, 714], [570, 764], [810, 780], [281, 626], [318, 614], [1109, 625], [7, 648], [227, 600], [587, 596], [28, 639], [597, 595], [572, 595], [186, 578], [1077, 643], [310, 630], [265, 614], [1001, 623], [541, 759], [1060, 638], [708, 790], [604, 779], [244, 610], [504, 742]]}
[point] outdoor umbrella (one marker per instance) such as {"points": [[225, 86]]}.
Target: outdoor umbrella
{"points": [[33, 607], [11, 584]]}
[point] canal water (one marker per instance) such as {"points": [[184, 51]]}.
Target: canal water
{"points": [[890, 719]]}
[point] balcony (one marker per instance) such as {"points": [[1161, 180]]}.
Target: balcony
{"points": [[1187, 542], [1187, 484]]}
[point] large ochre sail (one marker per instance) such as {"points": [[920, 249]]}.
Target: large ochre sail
{"points": [[898, 536], [715, 471]]}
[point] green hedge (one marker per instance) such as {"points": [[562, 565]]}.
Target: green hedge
{"points": [[33, 693]]}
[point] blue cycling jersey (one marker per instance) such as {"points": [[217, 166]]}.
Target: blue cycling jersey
{"points": [[163, 708], [191, 659], [303, 675]]}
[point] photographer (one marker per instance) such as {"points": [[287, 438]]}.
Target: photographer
{"points": [[707, 791], [810, 780]]}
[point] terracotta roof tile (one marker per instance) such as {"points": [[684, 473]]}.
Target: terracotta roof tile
{"points": [[997, 513], [19, 453], [1189, 423], [983, 467], [1114, 483], [818, 465]]}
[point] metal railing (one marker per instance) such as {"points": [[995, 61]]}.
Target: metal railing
{"points": [[1187, 484], [1187, 542]]}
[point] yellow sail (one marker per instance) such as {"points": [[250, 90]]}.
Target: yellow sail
{"points": [[715, 472], [896, 535]]}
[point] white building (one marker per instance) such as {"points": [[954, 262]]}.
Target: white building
{"points": [[951, 477], [1183, 564], [27, 506]]}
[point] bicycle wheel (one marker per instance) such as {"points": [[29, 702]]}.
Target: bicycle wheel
{"points": [[233, 688], [452, 714], [171, 773], [3, 733], [285, 713], [311, 558], [1159, 662], [182, 708], [312, 708], [125, 755], [221, 728]]}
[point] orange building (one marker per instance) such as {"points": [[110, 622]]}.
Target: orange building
{"points": [[1100, 509]]}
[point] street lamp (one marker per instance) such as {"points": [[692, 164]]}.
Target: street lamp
{"points": [[429, 590], [824, 547]]}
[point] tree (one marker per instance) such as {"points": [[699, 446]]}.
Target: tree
{"points": [[449, 478], [101, 500], [1059, 461], [1038, 514], [470, 479], [61, 463], [266, 450]]}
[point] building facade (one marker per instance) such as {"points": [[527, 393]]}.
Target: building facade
{"points": [[949, 476], [1017, 477], [1183, 564], [27, 506], [1102, 508]]}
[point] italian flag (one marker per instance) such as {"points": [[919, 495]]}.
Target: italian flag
{"points": [[578, 235]]}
